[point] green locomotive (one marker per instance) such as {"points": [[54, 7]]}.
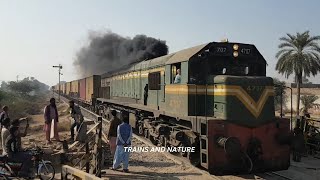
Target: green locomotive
{"points": [[214, 97]]}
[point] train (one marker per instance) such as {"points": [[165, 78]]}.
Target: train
{"points": [[223, 105]]}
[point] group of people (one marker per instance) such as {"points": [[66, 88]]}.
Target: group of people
{"points": [[11, 142], [11, 135], [119, 135], [52, 118]]}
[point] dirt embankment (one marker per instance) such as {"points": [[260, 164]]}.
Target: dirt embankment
{"points": [[36, 132]]}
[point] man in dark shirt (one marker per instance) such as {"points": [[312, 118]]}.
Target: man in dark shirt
{"points": [[16, 123], [14, 153], [112, 134], [4, 114], [145, 94], [298, 143], [77, 116]]}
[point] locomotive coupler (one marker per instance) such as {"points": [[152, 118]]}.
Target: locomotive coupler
{"points": [[231, 146]]}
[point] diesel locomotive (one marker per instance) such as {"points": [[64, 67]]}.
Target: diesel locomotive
{"points": [[223, 105]]}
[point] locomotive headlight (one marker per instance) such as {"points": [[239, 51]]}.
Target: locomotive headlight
{"points": [[235, 47], [235, 54]]}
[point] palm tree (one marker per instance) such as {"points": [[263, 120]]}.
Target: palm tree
{"points": [[299, 54], [308, 102]]}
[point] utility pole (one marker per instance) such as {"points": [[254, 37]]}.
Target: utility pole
{"points": [[60, 67]]}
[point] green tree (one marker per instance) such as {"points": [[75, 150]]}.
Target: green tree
{"points": [[308, 102], [22, 87], [279, 89], [298, 54]]}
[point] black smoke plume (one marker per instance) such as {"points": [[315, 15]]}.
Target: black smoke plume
{"points": [[110, 51]]}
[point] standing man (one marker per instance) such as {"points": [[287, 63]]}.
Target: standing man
{"points": [[298, 143], [4, 134], [145, 94], [124, 135], [3, 115], [112, 134], [51, 116], [77, 117], [177, 79]]}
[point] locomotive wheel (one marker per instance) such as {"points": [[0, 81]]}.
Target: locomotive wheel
{"points": [[153, 140], [194, 158]]}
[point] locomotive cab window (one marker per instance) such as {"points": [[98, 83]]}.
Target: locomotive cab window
{"points": [[176, 73], [154, 81], [240, 67]]}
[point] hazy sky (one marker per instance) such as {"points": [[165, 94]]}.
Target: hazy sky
{"points": [[36, 34]]}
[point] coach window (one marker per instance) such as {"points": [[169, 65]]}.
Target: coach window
{"points": [[175, 68], [154, 81]]}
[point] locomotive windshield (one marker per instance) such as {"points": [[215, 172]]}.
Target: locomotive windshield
{"points": [[222, 59], [239, 67]]}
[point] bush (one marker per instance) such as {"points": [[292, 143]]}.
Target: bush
{"points": [[21, 106]]}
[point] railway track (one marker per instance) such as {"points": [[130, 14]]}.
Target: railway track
{"points": [[272, 174]]}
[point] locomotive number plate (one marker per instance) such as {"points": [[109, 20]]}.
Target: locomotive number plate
{"points": [[245, 51], [255, 88]]}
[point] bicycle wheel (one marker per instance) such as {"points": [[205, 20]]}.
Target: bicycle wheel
{"points": [[4, 172], [46, 171]]}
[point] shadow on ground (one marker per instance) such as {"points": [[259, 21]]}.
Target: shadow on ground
{"points": [[152, 164], [147, 175]]}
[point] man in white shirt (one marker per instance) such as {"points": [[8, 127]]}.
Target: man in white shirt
{"points": [[177, 79], [4, 134]]}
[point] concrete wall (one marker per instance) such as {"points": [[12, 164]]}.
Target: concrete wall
{"points": [[294, 101]]}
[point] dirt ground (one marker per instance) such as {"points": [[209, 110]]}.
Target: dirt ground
{"points": [[36, 123], [154, 165]]}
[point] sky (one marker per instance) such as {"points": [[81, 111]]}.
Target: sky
{"points": [[37, 34]]}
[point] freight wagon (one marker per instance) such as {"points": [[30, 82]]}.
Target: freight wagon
{"points": [[74, 89], [68, 88], [62, 88], [88, 88]]}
